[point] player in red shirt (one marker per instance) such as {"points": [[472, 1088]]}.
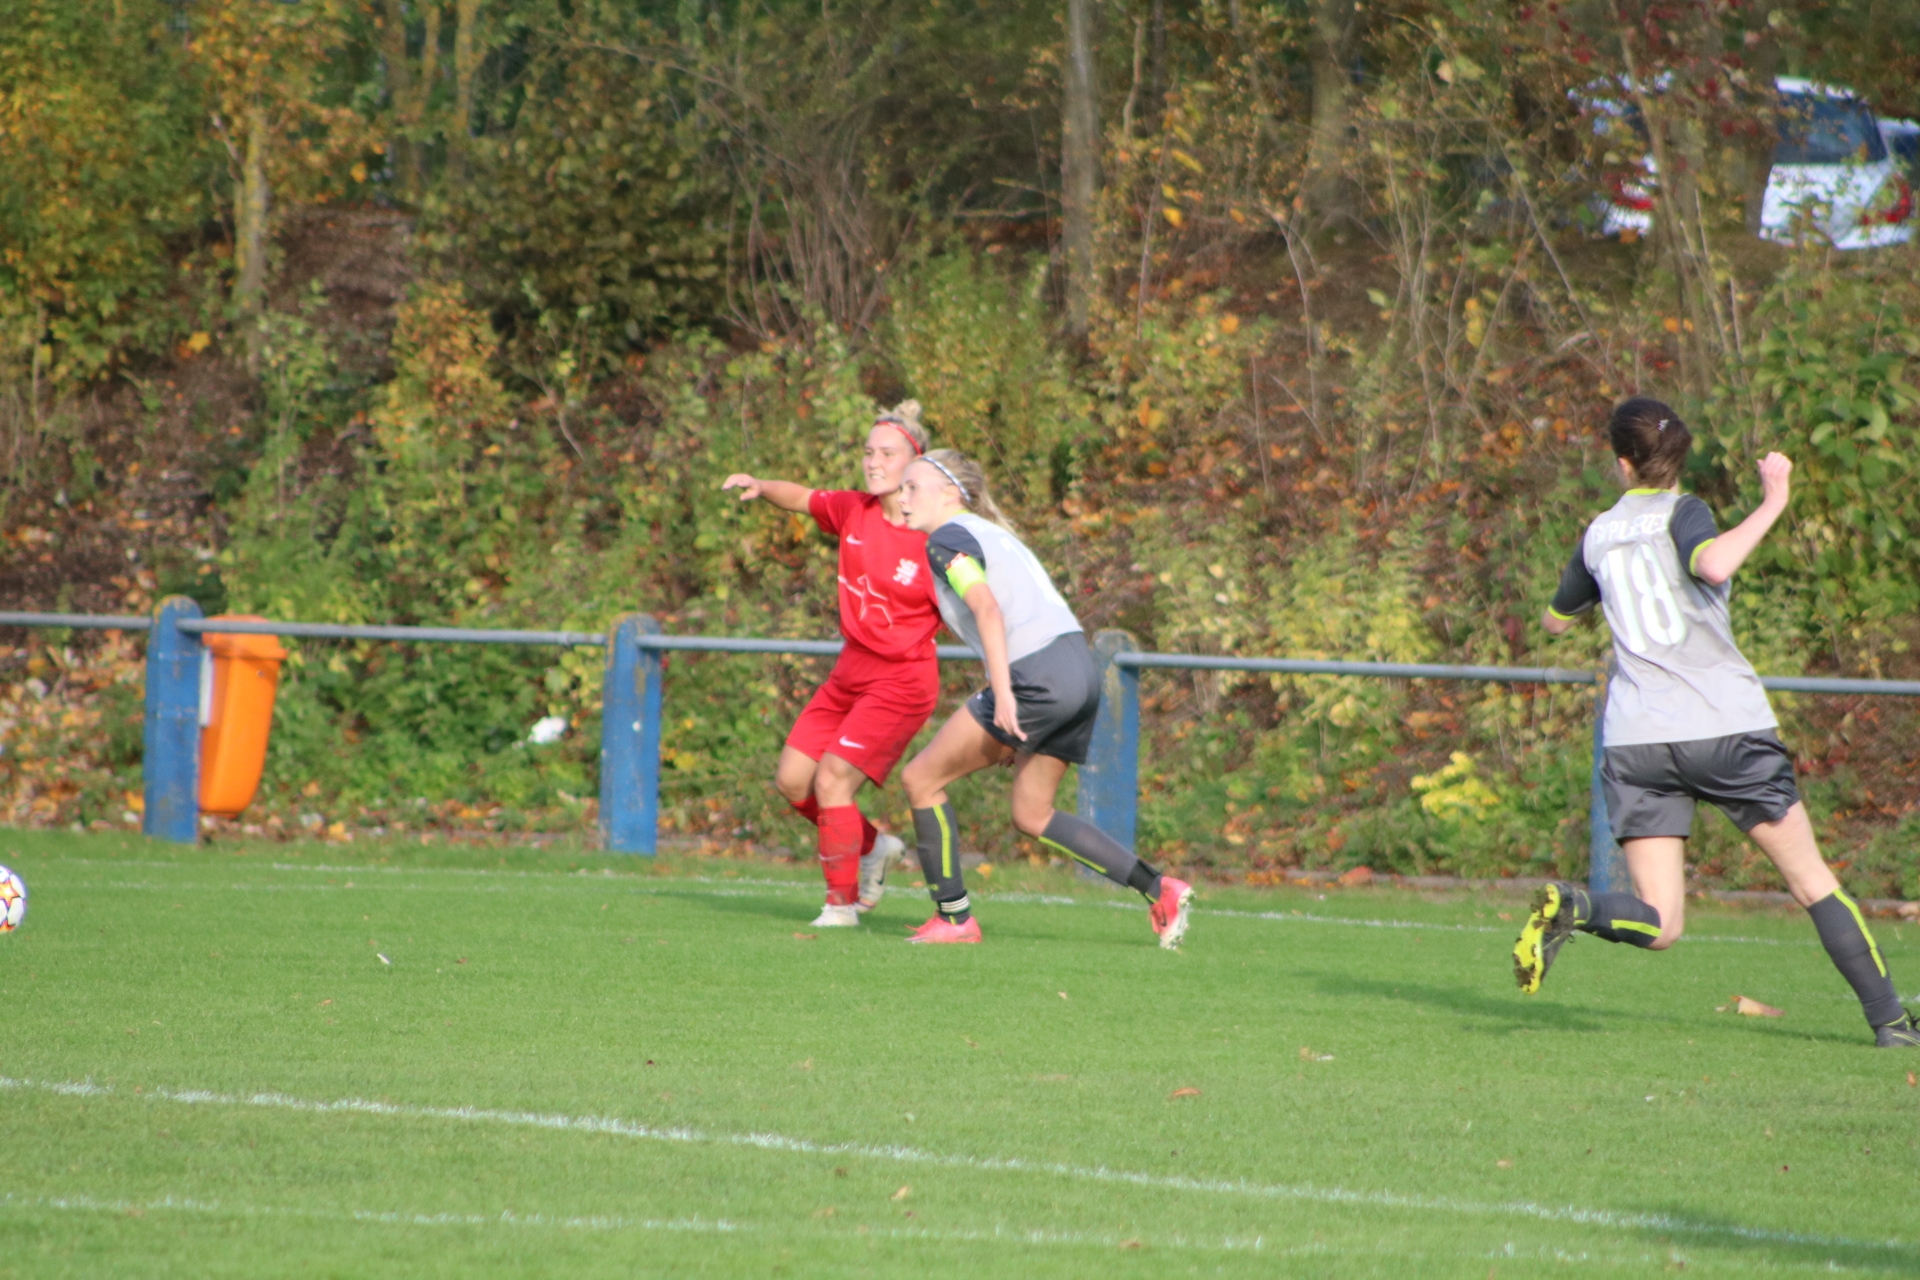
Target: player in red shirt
{"points": [[882, 690]]}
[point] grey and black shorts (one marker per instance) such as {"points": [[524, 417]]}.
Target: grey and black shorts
{"points": [[1056, 695], [1651, 789]]}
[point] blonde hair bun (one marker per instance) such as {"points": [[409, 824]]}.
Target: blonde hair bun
{"points": [[906, 416]]}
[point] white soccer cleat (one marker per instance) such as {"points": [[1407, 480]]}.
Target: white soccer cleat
{"points": [[833, 917], [887, 850]]}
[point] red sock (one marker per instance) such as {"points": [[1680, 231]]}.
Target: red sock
{"points": [[868, 834], [840, 853], [808, 809]]}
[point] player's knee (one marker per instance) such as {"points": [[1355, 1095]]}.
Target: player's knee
{"points": [[1031, 819], [792, 790]]}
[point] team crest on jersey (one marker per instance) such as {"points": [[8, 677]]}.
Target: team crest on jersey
{"points": [[905, 574]]}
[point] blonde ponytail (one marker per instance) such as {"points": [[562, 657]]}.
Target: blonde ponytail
{"points": [[972, 480]]}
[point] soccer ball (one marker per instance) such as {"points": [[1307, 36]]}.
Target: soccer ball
{"points": [[13, 900]]}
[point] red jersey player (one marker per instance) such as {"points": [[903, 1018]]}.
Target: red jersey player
{"points": [[882, 690]]}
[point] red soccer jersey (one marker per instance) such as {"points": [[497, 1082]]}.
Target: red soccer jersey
{"points": [[887, 606]]}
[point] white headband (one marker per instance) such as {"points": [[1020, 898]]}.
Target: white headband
{"points": [[935, 462]]}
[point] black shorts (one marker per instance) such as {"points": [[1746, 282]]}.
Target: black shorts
{"points": [[1651, 789], [1056, 695]]}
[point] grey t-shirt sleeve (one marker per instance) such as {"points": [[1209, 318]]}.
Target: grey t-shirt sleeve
{"points": [[950, 540], [1691, 527], [1578, 591]]}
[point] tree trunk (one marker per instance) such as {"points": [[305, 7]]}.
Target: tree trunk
{"points": [[1755, 143], [466, 65], [250, 233], [393, 41], [1080, 163], [1331, 51]]}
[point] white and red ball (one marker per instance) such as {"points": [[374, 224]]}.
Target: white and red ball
{"points": [[13, 900]]}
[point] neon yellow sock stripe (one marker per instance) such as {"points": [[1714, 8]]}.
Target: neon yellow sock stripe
{"points": [[946, 842], [1635, 926], [1867, 933], [1054, 844]]}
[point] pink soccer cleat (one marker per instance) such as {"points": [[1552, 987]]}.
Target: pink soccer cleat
{"points": [[940, 929], [1170, 912]]}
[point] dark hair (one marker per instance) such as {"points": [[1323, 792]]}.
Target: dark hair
{"points": [[1650, 435]]}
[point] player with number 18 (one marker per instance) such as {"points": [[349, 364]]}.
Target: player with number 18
{"points": [[1688, 720]]}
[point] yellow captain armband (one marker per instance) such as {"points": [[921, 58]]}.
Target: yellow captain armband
{"points": [[1693, 561], [964, 574]]}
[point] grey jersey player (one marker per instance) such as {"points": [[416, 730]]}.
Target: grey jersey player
{"points": [[1687, 719], [1037, 711]]}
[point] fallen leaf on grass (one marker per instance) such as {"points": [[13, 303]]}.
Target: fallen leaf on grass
{"points": [[1753, 1008], [827, 1212], [1131, 1244], [326, 1002], [1913, 1081], [461, 960], [804, 1066], [1505, 915], [1308, 1055], [1063, 995], [805, 937], [1187, 1091], [1503, 1164], [902, 1193]]}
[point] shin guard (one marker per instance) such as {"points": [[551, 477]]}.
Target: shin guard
{"points": [[936, 835], [840, 853], [1091, 847], [1843, 932]]}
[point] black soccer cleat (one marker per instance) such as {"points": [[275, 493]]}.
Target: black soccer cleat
{"points": [[1897, 1035], [1546, 931]]}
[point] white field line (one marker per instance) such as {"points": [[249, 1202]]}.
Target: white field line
{"points": [[743, 886], [702, 1226], [507, 1218], [981, 1164]]}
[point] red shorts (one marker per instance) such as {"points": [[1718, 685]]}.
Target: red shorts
{"points": [[867, 711]]}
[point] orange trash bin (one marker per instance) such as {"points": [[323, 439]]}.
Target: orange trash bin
{"points": [[237, 715]]}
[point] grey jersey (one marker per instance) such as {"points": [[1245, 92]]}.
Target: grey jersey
{"points": [[1678, 676], [969, 549]]}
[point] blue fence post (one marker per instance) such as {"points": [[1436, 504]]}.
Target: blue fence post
{"points": [[630, 739], [1110, 779], [170, 762], [1606, 869]]}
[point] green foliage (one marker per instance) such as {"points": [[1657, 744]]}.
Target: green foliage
{"points": [[593, 221], [98, 139], [974, 344], [1833, 368]]}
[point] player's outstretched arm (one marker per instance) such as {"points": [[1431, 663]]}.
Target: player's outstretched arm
{"points": [[1722, 558], [993, 642], [784, 494]]}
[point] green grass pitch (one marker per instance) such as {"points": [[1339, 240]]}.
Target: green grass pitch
{"points": [[581, 1065]]}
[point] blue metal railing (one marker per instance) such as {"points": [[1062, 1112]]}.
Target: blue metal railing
{"points": [[635, 693]]}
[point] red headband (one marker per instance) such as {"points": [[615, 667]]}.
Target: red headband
{"points": [[895, 424]]}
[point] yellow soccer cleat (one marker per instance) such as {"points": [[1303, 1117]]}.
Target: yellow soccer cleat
{"points": [[1546, 931]]}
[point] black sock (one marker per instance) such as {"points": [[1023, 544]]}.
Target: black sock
{"points": [[1617, 917], [1843, 932], [936, 831], [1092, 847]]}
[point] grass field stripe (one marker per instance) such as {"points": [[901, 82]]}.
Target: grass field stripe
{"points": [[605, 1222], [746, 888], [988, 1164], [187, 1204]]}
